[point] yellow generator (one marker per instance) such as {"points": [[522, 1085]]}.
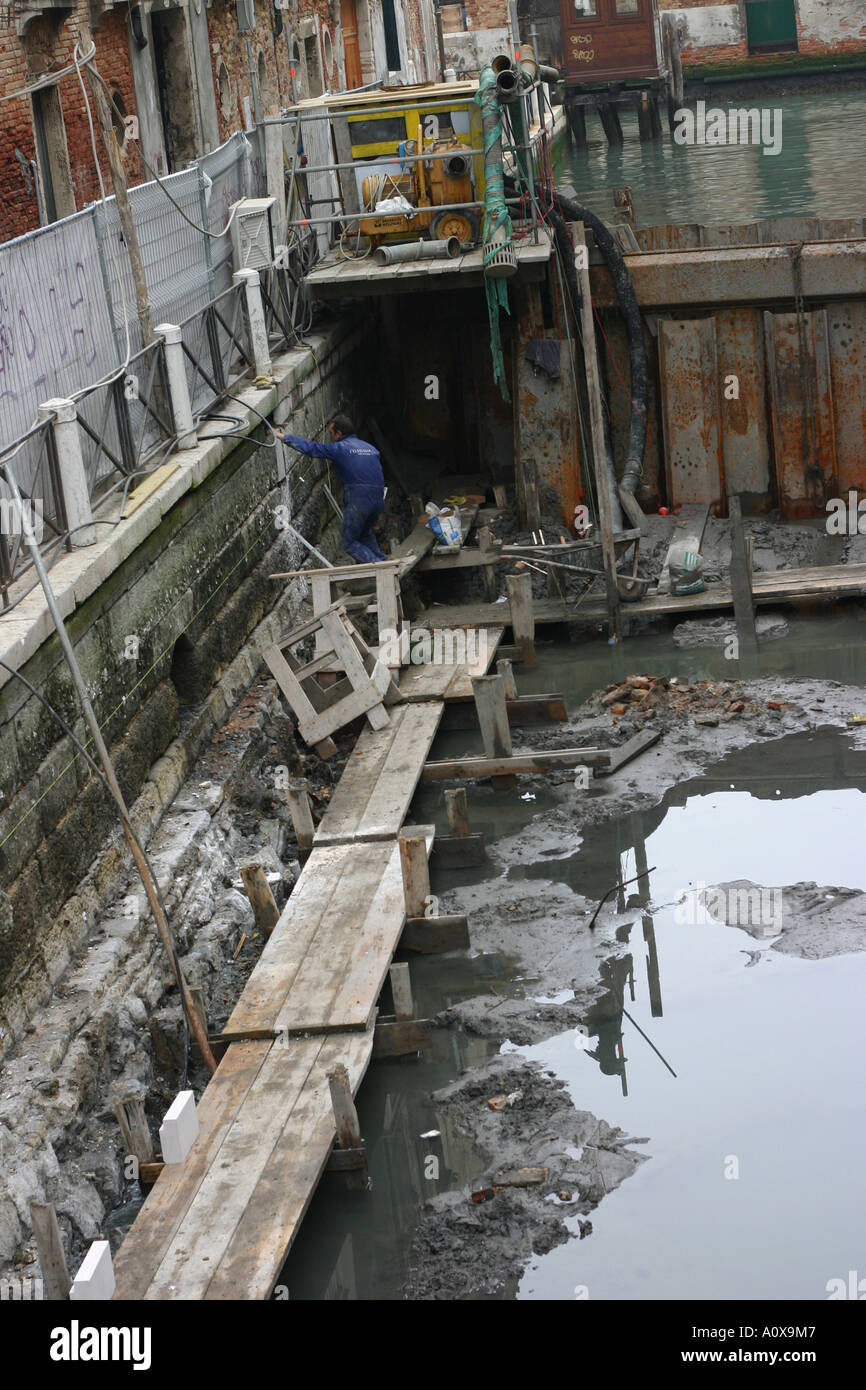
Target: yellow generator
{"points": [[428, 184]]}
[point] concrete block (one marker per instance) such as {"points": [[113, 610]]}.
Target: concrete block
{"points": [[95, 1278], [179, 1130]]}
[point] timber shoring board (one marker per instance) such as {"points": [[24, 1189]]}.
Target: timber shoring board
{"points": [[776, 586], [220, 1225], [380, 777]]}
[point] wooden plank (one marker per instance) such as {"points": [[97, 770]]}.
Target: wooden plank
{"points": [[630, 749], [741, 579], [146, 489], [399, 1038], [155, 1226], [316, 895], [525, 711], [355, 787], [542, 761], [468, 557], [390, 799], [337, 984]]}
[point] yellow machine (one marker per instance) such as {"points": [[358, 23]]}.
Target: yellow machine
{"points": [[441, 123], [428, 184]]}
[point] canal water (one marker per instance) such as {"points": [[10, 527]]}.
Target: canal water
{"points": [[819, 171], [755, 1185]]}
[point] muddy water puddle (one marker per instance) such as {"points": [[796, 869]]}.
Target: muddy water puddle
{"points": [[755, 1183]]}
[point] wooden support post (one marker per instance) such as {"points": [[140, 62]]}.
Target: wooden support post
{"points": [[500, 496], [135, 1129], [52, 1259], [265, 910], [519, 588], [610, 123], [741, 580], [401, 990], [489, 576], [457, 810], [416, 875], [489, 695], [346, 1122], [197, 996], [599, 440], [509, 684], [298, 797], [531, 503], [644, 117], [576, 117]]}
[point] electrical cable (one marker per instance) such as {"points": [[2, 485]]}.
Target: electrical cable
{"points": [[130, 831]]}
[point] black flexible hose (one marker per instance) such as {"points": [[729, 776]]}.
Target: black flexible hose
{"points": [[630, 310]]}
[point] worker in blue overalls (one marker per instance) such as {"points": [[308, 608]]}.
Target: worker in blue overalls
{"points": [[363, 483]]}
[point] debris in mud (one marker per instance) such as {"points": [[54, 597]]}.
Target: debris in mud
{"points": [[808, 921], [461, 1250]]}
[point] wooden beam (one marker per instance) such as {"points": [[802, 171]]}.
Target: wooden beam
{"points": [[457, 811], [346, 1121], [630, 749], [519, 588], [300, 809], [52, 1258], [401, 991], [135, 1128], [542, 761], [741, 580], [489, 695], [596, 420], [416, 875], [265, 909], [509, 684], [399, 1039], [525, 711]]}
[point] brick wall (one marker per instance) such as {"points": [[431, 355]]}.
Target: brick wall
{"points": [[481, 14], [715, 34], [46, 47]]}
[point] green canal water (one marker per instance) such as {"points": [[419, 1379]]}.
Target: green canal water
{"points": [[820, 170]]}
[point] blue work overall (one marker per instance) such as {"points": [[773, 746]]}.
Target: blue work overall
{"points": [[360, 472]]}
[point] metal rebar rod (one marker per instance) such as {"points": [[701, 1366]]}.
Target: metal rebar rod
{"points": [[358, 216]]}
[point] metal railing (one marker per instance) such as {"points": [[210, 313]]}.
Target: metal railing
{"points": [[215, 340], [125, 423], [34, 461]]}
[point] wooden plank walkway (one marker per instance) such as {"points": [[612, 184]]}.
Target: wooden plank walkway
{"points": [[373, 795], [220, 1225], [831, 582], [327, 958]]}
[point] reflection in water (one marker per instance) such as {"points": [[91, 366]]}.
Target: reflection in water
{"points": [[820, 170]]}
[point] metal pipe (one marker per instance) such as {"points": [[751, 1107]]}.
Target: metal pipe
{"points": [[446, 104], [507, 85], [390, 159], [417, 251], [359, 216]]}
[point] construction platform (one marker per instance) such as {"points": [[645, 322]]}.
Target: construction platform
{"points": [[338, 277]]}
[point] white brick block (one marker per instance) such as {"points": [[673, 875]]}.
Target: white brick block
{"points": [[95, 1278], [179, 1130]]}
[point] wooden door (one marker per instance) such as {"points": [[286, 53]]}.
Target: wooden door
{"points": [[609, 40], [351, 45]]}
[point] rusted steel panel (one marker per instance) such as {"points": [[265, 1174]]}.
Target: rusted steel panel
{"points": [[690, 412], [801, 399], [545, 419], [791, 229], [739, 275], [843, 228], [737, 234], [846, 327], [745, 425]]}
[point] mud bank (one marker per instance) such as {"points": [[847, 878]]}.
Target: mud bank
{"points": [[533, 904]]}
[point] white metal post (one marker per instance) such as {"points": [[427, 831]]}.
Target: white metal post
{"points": [[256, 314], [178, 385], [70, 462]]}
